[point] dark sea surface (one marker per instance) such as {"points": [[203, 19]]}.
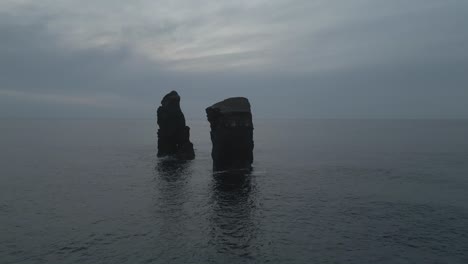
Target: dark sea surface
{"points": [[321, 191]]}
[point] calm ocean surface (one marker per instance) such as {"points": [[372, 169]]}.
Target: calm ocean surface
{"points": [[322, 191]]}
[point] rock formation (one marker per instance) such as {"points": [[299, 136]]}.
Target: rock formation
{"points": [[231, 134], [173, 134]]}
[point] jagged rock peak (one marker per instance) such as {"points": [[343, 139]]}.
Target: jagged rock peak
{"points": [[173, 134], [171, 98]]}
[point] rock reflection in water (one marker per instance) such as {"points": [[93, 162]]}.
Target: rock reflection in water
{"points": [[172, 179], [232, 226], [173, 170]]}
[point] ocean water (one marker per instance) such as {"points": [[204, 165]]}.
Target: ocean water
{"points": [[321, 191]]}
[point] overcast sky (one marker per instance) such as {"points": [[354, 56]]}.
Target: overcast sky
{"points": [[291, 58]]}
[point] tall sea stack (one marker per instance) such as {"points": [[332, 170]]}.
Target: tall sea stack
{"points": [[231, 134], [173, 134]]}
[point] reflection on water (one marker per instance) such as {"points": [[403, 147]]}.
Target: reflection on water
{"points": [[173, 176], [173, 170], [232, 226], [227, 215]]}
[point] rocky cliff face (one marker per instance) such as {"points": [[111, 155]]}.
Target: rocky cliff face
{"points": [[231, 134], [173, 134]]}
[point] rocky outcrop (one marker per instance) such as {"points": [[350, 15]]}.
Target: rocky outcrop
{"points": [[231, 134], [173, 134]]}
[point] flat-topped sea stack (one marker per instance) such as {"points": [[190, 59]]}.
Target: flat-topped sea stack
{"points": [[173, 134], [231, 134]]}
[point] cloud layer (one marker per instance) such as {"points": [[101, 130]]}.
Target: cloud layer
{"points": [[293, 59]]}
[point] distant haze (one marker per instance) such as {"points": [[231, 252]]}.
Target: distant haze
{"points": [[292, 59]]}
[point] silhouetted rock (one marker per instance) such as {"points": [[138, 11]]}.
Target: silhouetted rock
{"points": [[231, 134], [173, 134]]}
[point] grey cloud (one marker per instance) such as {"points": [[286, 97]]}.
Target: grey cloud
{"points": [[293, 59]]}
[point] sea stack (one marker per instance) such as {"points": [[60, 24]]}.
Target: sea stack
{"points": [[173, 134], [231, 134]]}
